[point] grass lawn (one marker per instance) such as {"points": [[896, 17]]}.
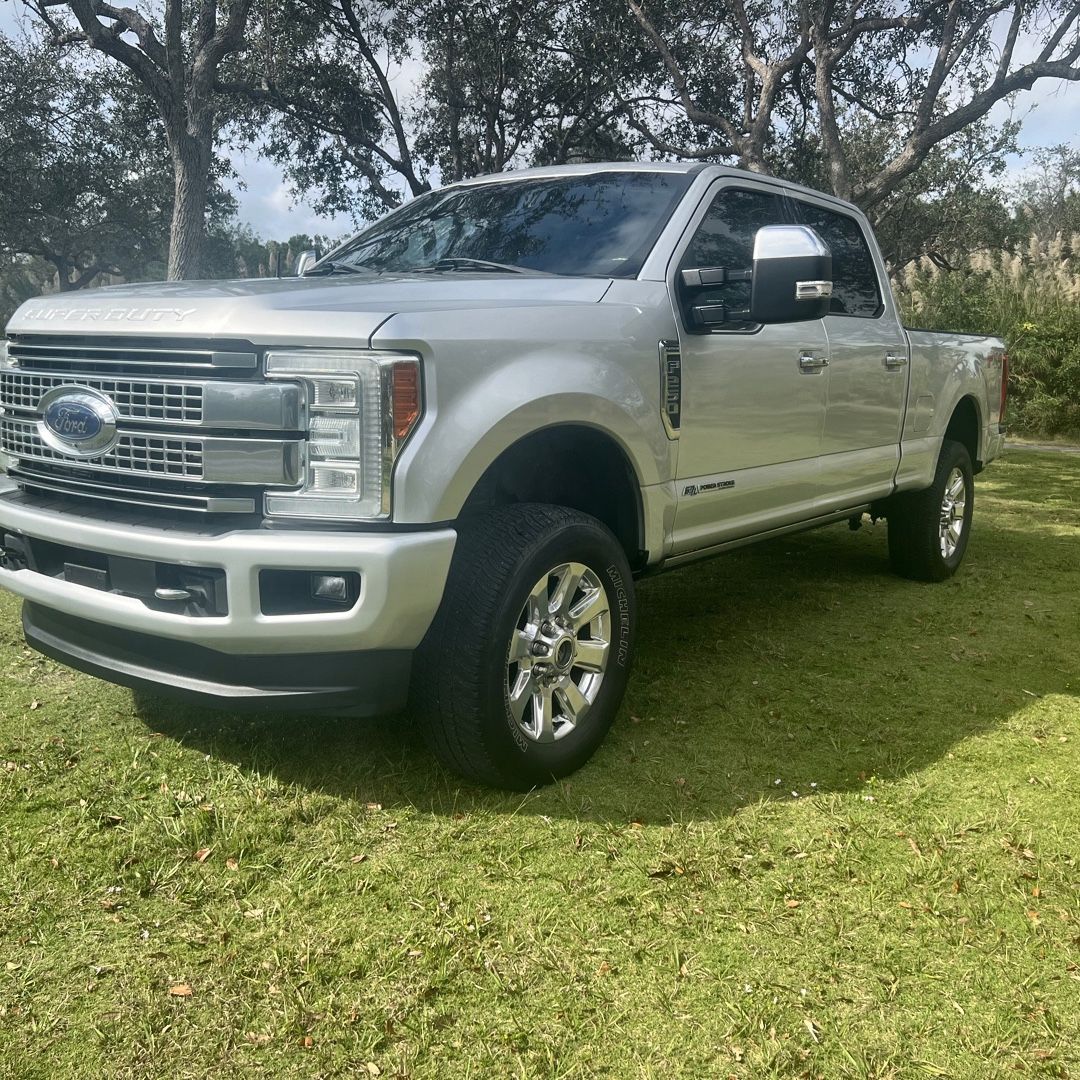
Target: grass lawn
{"points": [[835, 833]]}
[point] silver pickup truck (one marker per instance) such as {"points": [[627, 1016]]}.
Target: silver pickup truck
{"points": [[428, 470]]}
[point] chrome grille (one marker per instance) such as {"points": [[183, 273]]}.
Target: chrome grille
{"points": [[198, 428], [135, 399], [180, 459]]}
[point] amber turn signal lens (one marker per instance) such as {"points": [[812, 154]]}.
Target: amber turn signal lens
{"points": [[405, 397]]}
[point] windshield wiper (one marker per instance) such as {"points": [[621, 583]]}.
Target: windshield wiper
{"points": [[325, 269], [457, 263]]}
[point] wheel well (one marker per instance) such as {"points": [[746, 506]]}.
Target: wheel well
{"points": [[964, 428], [573, 466]]}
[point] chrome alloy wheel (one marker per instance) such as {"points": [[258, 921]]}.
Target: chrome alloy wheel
{"points": [[953, 505], [558, 653]]}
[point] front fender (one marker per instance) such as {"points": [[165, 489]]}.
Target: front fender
{"points": [[439, 469], [580, 364]]}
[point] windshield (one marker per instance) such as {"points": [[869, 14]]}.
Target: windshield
{"points": [[594, 225]]}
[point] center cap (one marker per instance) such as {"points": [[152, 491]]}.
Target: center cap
{"points": [[564, 653]]}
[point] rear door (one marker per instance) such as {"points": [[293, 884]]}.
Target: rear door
{"points": [[753, 397], [868, 364]]}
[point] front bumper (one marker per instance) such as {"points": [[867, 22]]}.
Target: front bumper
{"points": [[358, 684], [402, 576]]}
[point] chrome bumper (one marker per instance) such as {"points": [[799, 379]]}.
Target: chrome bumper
{"points": [[402, 576]]}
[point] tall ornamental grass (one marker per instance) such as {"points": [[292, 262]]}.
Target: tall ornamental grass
{"points": [[1031, 299]]}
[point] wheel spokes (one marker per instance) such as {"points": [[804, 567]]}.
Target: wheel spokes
{"points": [[591, 655], [566, 587], [573, 702], [543, 725], [592, 606]]}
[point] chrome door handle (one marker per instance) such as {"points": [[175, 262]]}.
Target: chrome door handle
{"points": [[810, 362], [893, 361]]}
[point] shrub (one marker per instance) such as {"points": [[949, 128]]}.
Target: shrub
{"points": [[1031, 300]]}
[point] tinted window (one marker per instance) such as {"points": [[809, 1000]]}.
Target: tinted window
{"points": [[855, 284], [600, 224], [725, 238]]}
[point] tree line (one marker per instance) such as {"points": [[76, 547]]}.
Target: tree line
{"points": [[119, 121]]}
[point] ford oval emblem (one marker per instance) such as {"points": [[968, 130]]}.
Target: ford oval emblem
{"points": [[77, 421], [69, 419]]}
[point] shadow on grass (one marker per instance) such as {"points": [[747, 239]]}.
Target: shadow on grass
{"points": [[801, 661]]}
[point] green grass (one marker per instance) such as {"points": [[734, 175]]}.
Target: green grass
{"points": [[674, 909]]}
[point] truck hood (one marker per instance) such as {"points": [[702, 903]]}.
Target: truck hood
{"points": [[319, 310]]}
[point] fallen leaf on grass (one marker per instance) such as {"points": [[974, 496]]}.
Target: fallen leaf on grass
{"points": [[202, 854], [231, 864], [309, 1042], [358, 858], [793, 903], [667, 869], [180, 990]]}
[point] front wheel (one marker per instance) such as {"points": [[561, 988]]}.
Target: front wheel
{"points": [[522, 672], [929, 529]]}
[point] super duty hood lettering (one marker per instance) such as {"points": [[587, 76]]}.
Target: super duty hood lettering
{"points": [[46, 313]]}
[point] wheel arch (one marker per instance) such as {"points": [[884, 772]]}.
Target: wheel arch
{"points": [[965, 427], [573, 464]]}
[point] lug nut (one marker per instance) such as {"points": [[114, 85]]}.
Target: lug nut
{"points": [[539, 648]]}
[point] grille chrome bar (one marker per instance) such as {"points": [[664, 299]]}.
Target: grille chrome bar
{"points": [[119, 352], [192, 458], [164, 500], [248, 406]]}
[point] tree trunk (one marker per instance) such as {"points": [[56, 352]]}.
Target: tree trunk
{"points": [[187, 235]]}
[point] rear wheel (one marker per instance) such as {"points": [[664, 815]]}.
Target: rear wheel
{"points": [[929, 529], [526, 663]]}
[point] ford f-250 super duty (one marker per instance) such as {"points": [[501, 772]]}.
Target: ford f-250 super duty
{"points": [[432, 466]]}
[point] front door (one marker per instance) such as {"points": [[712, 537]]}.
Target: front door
{"points": [[753, 397]]}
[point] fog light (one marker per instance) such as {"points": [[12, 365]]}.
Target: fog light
{"points": [[308, 592], [330, 587]]}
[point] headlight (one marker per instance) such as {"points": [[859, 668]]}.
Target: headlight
{"points": [[361, 407]]}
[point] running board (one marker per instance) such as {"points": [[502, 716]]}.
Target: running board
{"points": [[799, 526]]}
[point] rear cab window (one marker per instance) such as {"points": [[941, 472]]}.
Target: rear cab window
{"points": [[856, 291]]}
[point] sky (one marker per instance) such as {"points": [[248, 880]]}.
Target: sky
{"points": [[1050, 114]]}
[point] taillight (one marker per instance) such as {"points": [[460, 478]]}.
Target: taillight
{"points": [[1004, 387]]}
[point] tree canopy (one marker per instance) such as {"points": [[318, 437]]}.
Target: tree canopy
{"points": [[365, 103]]}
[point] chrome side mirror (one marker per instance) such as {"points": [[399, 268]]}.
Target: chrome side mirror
{"points": [[792, 276], [305, 261]]}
